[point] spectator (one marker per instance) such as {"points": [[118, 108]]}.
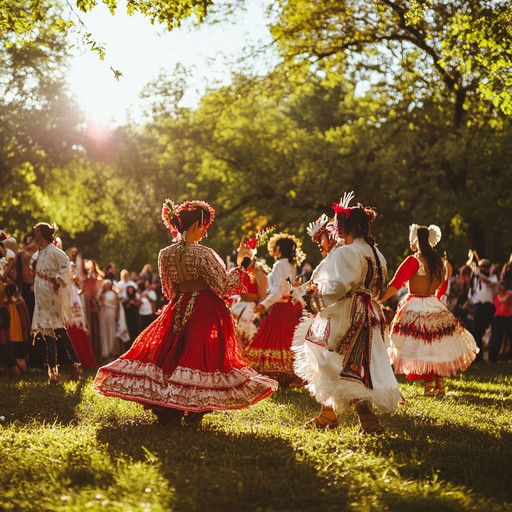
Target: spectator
{"points": [[108, 318], [482, 289], [147, 307], [501, 324]]}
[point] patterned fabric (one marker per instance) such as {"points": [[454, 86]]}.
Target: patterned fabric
{"points": [[426, 337], [270, 350], [200, 261], [189, 358], [243, 312], [341, 351], [198, 367]]}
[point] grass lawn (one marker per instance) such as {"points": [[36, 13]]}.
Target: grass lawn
{"points": [[64, 448]]}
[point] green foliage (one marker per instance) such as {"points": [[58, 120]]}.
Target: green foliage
{"points": [[463, 46], [75, 450]]}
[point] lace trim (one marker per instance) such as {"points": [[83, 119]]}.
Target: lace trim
{"points": [[270, 361], [186, 388]]}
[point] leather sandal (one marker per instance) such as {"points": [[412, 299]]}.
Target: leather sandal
{"points": [[76, 372], [368, 421], [53, 375], [322, 422]]}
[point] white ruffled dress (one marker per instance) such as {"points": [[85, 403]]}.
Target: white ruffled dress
{"points": [[341, 351]]}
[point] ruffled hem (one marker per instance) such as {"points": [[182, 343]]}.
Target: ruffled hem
{"points": [[445, 357], [331, 390], [441, 368], [186, 389]]}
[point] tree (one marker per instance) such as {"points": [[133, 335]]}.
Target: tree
{"points": [[465, 45]]}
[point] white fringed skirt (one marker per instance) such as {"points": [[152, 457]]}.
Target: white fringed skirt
{"points": [[426, 338], [321, 367]]}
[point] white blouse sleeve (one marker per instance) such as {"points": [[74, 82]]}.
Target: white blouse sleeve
{"points": [[64, 273], [279, 287], [342, 274]]}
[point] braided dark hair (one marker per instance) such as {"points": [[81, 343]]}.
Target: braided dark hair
{"points": [[434, 261], [357, 224]]}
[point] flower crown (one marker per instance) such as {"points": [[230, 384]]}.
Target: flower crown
{"points": [[170, 210], [271, 246], [434, 234], [317, 228]]}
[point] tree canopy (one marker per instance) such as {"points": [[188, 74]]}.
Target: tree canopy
{"points": [[406, 103]]}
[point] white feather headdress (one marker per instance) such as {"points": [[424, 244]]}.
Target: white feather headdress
{"points": [[434, 234], [319, 224]]}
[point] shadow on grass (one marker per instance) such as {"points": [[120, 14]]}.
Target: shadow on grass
{"points": [[31, 398], [211, 470], [465, 457]]}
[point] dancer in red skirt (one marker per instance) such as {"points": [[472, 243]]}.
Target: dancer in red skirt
{"points": [[188, 359], [270, 350]]}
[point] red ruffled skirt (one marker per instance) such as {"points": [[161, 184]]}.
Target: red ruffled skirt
{"points": [[188, 359], [83, 348], [270, 350]]}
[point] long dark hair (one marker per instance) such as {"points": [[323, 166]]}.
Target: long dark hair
{"points": [[434, 261], [357, 224], [288, 249]]}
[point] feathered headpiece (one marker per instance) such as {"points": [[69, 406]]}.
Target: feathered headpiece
{"points": [[434, 234], [271, 246], [343, 205], [170, 210], [249, 247], [317, 228]]}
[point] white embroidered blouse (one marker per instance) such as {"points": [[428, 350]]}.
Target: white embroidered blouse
{"points": [[279, 282], [52, 307]]}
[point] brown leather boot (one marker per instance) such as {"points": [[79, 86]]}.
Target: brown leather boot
{"points": [[441, 391]]}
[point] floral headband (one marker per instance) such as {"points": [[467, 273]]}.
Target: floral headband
{"points": [[299, 255], [434, 234], [170, 211]]}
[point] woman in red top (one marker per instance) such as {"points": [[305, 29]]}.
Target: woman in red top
{"points": [[501, 323], [427, 341], [188, 359]]}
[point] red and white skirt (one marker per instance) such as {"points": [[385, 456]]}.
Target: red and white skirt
{"points": [[270, 351], [427, 339], [188, 359]]}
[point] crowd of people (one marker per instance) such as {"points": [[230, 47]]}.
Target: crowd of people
{"points": [[201, 335], [100, 312]]}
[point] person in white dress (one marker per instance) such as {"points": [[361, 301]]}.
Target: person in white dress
{"points": [[109, 307], [341, 351], [52, 278]]}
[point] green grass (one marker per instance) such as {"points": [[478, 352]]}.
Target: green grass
{"points": [[64, 448]]}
